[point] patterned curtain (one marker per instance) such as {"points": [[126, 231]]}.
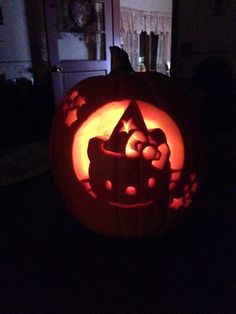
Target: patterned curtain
{"points": [[133, 22], [130, 43], [163, 53]]}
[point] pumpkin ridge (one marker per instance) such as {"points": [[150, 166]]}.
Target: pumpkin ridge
{"points": [[122, 155]]}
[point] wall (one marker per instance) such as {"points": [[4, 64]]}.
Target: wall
{"points": [[15, 54], [22, 49], [204, 32], [149, 5], [200, 34], [26, 109]]}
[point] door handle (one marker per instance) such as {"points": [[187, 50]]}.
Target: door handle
{"points": [[56, 68]]}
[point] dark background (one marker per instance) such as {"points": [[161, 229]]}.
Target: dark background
{"points": [[51, 264]]}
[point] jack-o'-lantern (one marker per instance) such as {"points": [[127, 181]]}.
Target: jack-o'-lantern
{"points": [[122, 154]]}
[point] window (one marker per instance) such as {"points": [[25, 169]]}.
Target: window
{"points": [[146, 37]]}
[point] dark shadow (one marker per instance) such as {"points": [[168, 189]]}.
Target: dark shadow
{"points": [[214, 77], [27, 105], [26, 112]]}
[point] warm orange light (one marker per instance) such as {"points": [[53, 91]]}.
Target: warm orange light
{"points": [[177, 203], [151, 182], [102, 122], [71, 117], [108, 185], [127, 125], [159, 163], [189, 189], [71, 104], [149, 152], [73, 94], [130, 190], [133, 146]]}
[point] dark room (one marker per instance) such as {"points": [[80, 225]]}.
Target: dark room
{"points": [[117, 192]]}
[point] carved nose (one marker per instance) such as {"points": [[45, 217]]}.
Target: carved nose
{"points": [[130, 190]]}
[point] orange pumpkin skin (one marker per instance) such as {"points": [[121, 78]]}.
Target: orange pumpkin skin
{"points": [[122, 154]]}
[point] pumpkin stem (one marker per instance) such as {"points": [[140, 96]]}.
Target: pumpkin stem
{"points": [[120, 60]]}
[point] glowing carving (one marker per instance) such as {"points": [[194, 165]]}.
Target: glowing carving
{"points": [[101, 123], [177, 203], [149, 152], [108, 185], [151, 182], [138, 135], [128, 136], [127, 126], [188, 191], [72, 102], [122, 154], [130, 190]]}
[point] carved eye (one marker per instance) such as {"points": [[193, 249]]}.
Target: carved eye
{"points": [[151, 182], [108, 185]]}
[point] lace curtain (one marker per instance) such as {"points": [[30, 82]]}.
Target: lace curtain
{"points": [[133, 22]]}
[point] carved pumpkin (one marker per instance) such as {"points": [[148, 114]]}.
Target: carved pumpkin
{"points": [[121, 154]]}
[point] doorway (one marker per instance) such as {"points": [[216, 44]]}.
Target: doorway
{"points": [[79, 34], [146, 32]]}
